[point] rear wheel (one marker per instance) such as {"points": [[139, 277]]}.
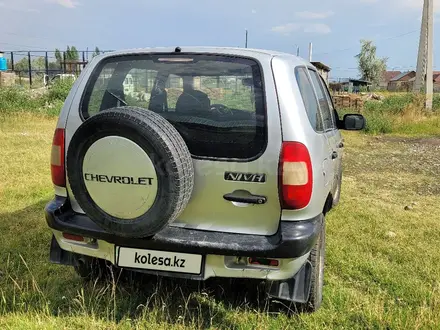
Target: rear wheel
{"points": [[91, 269], [317, 259], [337, 194]]}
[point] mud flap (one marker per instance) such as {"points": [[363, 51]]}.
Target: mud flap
{"points": [[60, 256], [295, 289]]}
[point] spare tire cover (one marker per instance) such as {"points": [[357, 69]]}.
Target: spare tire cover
{"points": [[130, 171]]}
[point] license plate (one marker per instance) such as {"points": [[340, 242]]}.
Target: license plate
{"points": [[159, 260]]}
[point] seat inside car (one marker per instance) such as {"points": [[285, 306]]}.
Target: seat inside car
{"points": [[192, 101]]}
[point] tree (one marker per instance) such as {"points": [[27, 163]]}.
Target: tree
{"points": [[371, 67], [22, 65], [68, 53], [73, 54], [38, 63], [58, 56], [96, 52]]}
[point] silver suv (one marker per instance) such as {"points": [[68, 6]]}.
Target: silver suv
{"points": [[216, 162]]}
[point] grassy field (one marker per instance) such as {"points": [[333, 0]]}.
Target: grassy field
{"points": [[382, 268]]}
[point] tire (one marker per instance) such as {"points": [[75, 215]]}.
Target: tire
{"points": [[130, 171], [337, 196], [317, 259], [91, 269]]}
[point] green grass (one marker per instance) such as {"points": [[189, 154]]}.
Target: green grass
{"points": [[382, 268], [43, 101], [400, 114]]}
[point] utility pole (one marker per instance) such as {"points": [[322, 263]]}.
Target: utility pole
{"points": [[297, 51], [424, 73], [310, 51], [246, 42]]}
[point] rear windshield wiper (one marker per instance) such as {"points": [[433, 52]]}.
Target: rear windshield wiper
{"points": [[116, 97]]}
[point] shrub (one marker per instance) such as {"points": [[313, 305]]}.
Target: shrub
{"points": [[436, 102], [378, 124], [16, 98], [400, 113], [50, 101], [59, 90], [393, 104]]}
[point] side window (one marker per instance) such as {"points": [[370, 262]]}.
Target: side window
{"points": [[309, 99], [327, 113], [99, 88], [330, 102]]}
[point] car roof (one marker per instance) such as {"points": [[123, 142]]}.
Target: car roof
{"points": [[247, 52]]}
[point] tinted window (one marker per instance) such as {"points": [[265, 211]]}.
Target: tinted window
{"points": [[215, 102], [327, 115], [330, 103], [309, 99]]}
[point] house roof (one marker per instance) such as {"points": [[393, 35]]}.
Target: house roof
{"points": [[321, 66], [400, 76], [388, 75], [435, 76], [354, 80]]}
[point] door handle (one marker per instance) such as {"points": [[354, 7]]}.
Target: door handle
{"points": [[334, 155], [248, 199], [341, 145]]}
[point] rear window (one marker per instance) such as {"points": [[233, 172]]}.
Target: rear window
{"points": [[215, 102]]}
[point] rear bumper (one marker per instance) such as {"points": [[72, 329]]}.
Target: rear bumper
{"points": [[293, 239]]}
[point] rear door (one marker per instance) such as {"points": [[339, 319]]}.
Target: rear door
{"points": [[226, 109]]}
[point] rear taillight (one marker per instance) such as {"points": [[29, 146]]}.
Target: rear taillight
{"points": [[57, 159], [296, 176]]}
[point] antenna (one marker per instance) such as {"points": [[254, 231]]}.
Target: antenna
{"points": [[246, 42], [310, 51]]}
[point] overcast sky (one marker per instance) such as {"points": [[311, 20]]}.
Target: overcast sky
{"points": [[334, 26]]}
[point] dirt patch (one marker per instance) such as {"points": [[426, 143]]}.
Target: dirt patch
{"points": [[402, 163], [432, 141]]}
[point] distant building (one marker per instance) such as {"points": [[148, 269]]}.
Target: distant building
{"points": [[387, 77], [403, 82], [323, 69], [350, 85]]}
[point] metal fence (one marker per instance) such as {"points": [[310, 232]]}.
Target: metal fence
{"points": [[33, 68]]}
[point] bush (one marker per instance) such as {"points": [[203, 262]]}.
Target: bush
{"points": [[401, 113], [59, 90], [50, 101], [378, 124], [436, 102], [393, 104], [16, 98]]}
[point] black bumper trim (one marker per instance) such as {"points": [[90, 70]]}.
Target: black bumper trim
{"points": [[292, 240]]}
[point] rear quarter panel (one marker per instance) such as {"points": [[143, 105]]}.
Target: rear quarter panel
{"points": [[296, 127]]}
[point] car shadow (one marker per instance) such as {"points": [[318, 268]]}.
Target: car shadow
{"points": [[123, 293], [206, 301]]}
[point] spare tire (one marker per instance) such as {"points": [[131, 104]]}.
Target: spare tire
{"points": [[130, 171]]}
